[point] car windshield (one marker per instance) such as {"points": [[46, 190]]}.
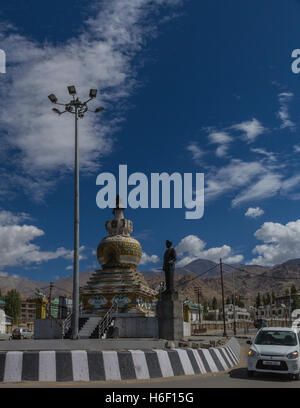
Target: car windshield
{"points": [[276, 338]]}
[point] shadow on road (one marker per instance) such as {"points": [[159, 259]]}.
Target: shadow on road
{"points": [[241, 374]]}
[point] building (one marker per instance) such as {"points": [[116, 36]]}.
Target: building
{"points": [[28, 310], [193, 312], [241, 313]]}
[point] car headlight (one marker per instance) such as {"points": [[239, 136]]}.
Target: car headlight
{"points": [[252, 353], [293, 355]]}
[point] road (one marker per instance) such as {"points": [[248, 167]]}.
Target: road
{"points": [[235, 378]]}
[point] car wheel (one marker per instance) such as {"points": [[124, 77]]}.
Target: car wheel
{"points": [[250, 373], [297, 376]]}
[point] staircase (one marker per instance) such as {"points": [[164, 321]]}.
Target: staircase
{"points": [[89, 327]]}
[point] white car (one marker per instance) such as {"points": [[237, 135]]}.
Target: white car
{"points": [[275, 350]]}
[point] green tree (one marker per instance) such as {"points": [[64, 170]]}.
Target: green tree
{"points": [[228, 300], [258, 300], [13, 305], [214, 304], [268, 299], [273, 297], [295, 298]]}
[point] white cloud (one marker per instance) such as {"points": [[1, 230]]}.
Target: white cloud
{"points": [[231, 177], [148, 259], [197, 153], [219, 137], [280, 243], [16, 247], [254, 212], [269, 155], [102, 57], [223, 139], [250, 129], [192, 247], [283, 113], [267, 186]]}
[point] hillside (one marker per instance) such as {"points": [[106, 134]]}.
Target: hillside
{"points": [[248, 280]]}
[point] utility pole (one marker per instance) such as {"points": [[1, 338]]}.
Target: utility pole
{"points": [[50, 298], [198, 292], [234, 319], [223, 302]]}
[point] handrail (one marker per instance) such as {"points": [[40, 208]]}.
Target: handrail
{"points": [[66, 324], [107, 319]]}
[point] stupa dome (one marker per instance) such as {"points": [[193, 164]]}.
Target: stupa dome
{"points": [[119, 249]]}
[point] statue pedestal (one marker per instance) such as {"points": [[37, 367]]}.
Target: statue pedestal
{"points": [[169, 311]]}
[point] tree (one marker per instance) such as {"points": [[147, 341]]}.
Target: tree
{"points": [[258, 300], [268, 299], [13, 305], [228, 300], [295, 298], [214, 304], [273, 297]]}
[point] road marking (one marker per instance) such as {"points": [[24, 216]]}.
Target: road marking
{"points": [[185, 361], [140, 364], [80, 365], [165, 364], [210, 360], [13, 366], [199, 361], [111, 365], [47, 366], [222, 361]]}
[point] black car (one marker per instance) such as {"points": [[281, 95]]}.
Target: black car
{"points": [[259, 323]]}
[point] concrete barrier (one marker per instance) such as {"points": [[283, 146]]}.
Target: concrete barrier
{"points": [[82, 365]]}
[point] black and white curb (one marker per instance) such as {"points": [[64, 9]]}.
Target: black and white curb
{"points": [[82, 365]]}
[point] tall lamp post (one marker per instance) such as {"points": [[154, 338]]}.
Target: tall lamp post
{"points": [[78, 109]]}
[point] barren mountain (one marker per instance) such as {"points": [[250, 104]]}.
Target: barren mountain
{"points": [[248, 279]]}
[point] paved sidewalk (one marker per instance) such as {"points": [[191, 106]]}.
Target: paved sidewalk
{"points": [[84, 344]]}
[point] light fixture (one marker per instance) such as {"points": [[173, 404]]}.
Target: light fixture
{"points": [[93, 93], [72, 90], [52, 98], [100, 109], [57, 111]]}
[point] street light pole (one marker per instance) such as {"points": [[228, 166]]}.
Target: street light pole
{"points": [[77, 108], [75, 317]]}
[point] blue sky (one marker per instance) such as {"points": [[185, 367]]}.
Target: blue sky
{"points": [[188, 86]]}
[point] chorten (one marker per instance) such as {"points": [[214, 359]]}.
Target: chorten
{"points": [[119, 255]]}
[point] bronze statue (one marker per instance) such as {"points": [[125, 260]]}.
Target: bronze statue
{"points": [[169, 267]]}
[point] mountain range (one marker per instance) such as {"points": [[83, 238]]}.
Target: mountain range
{"points": [[201, 273]]}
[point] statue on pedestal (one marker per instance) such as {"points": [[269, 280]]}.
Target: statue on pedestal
{"points": [[169, 267]]}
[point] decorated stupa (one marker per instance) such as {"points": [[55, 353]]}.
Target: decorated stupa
{"points": [[118, 254]]}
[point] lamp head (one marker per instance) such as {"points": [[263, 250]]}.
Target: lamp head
{"points": [[100, 109], [93, 93], [72, 90], [52, 98]]}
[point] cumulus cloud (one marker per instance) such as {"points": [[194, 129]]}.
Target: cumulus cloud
{"points": [[283, 113], [16, 247], [192, 247], [149, 259], [280, 243], [250, 129], [254, 212], [100, 57]]}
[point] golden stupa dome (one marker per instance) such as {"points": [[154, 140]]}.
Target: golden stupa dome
{"points": [[119, 249]]}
